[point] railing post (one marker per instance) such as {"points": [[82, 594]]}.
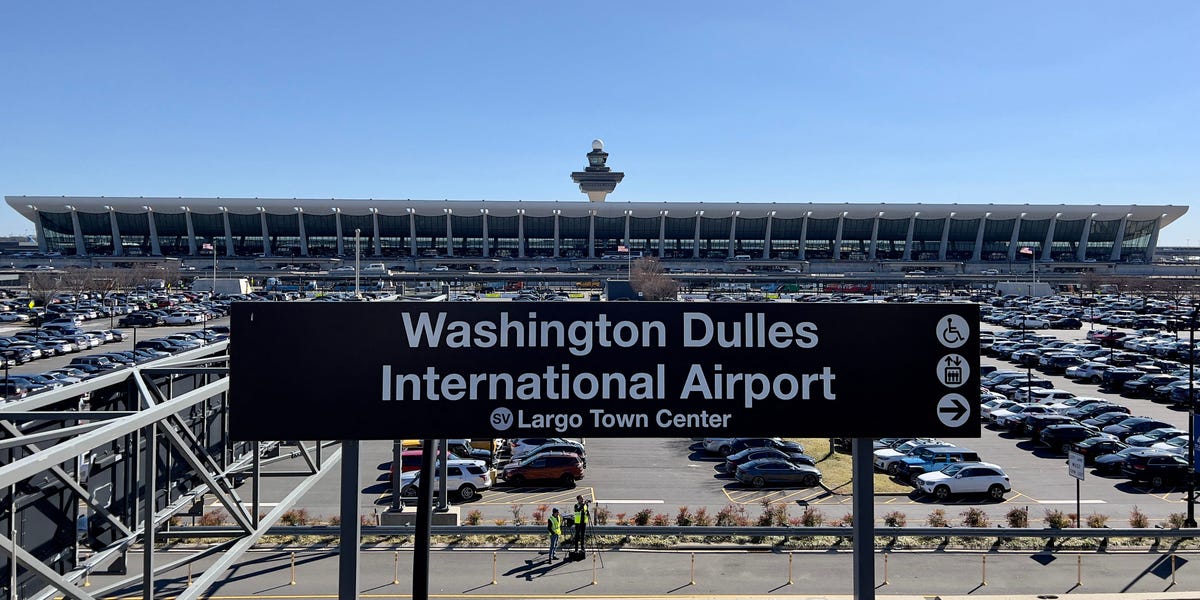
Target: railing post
{"points": [[396, 568], [984, 580], [789, 568], [293, 582], [692, 581], [494, 569]]}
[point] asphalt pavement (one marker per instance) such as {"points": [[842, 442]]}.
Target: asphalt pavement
{"points": [[525, 573]]}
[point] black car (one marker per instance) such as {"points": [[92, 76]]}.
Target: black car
{"points": [[1134, 426], [1103, 420], [1116, 378], [139, 319], [1113, 463], [1066, 323], [1062, 437], [733, 461], [1033, 425], [1095, 447], [1094, 409], [1155, 468], [740, 444], [1144, 386]]}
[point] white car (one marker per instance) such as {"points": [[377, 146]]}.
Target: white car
{"points": [[718, 445], [987, 408], [184, 318], [465, 477], [966, 478], [344, 269], [440, 268], [1089, 371], [888, 459]]}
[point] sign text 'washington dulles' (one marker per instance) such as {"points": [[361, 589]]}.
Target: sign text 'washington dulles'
{"points": [[495, 369]]}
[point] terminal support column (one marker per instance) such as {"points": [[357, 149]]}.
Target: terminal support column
{"points": [[863, 506]]}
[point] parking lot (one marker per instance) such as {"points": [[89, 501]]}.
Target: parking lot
{"points": [[663, 475]]}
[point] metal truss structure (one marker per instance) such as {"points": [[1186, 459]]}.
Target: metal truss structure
{"points": [[90, 469]]}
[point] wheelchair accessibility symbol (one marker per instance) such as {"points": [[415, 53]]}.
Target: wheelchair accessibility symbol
{"points": [[953, 331]]}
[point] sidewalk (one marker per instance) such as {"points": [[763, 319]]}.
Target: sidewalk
{"points": [[524, 573]]}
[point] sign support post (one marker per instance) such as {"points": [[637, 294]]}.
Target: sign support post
{"points": [[863, 505], [1076, 468], [351, 527], [420, 585]]}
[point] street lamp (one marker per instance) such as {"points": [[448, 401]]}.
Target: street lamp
{"points": [[1191, 499], [357, 259]]}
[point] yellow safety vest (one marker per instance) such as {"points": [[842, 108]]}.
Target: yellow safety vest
{"points": [[554, 524], [581, 513]]}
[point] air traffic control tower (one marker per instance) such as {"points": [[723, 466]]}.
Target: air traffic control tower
{"points": [[597, 180]]}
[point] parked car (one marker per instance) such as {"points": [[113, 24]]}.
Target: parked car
{"points": [[770, 471], [465, 477], [1155, 468], [1133, 426], [561, 466], [559, 446], [1097, 446], [932, 459], [1064, 436], [1111, 464], [888, 459], [740, 444], [733, 461], [965, 478], [1149, 438]]}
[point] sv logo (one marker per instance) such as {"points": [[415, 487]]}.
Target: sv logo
{"points": [[502, 419]]}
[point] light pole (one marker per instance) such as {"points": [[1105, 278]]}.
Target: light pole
{"points": [[357, 259], [1191, 508]]}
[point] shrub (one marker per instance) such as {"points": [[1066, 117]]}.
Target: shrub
{"points": [[602, 513], [336, 520], [621, 519], [684, 517], [539, 514], [732, 516], [1176, 520], [366, 520], [661, 520], [812, 517], [937, 518], [296, 516], [210, 519], [701, 518], [474, 517], [1138, 518], [895, 519], [847, 520], [518, 518], [1018, 517], [975, 517], [501, 522], [1097, 520], [1057, 519], [642, 517]]}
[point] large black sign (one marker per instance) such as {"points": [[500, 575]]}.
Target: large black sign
{"points": [[388, 370]]}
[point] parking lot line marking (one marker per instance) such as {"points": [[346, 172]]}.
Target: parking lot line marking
{"points": [[630, 501], [1070, 501], [545, 496]]}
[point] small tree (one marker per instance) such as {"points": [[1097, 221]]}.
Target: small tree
{"points": [[649, 278]]}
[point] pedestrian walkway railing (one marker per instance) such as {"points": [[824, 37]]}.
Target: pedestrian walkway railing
{"points": [[694, 531]]}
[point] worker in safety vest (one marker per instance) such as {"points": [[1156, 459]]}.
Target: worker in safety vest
{"points": [[554, 526], [582, 516]]}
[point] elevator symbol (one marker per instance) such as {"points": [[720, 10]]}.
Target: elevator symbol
{"points": [[953, 370]]}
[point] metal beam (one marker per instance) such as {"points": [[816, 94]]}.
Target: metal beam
{"points": [[217, 487], [210, 575], [186, 371], [32, 563], [70, 482], [63, 415], [32, 465], [20, 439], [863, 507]]}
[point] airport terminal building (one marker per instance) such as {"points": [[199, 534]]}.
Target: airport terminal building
{"points": [[252, 227]]}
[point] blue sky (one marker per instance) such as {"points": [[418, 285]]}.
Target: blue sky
{"points": [[1072, 102]]}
